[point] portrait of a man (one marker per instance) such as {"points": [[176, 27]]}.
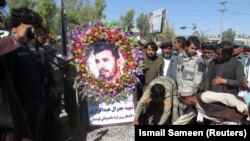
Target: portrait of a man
{"points": [[107, 60]]}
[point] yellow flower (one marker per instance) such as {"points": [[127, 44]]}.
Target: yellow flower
{"points": [[106, 85], [90, 37], [117, 84], [79, 50], [88, 76]]}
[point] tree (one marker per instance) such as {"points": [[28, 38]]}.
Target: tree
{"points": [[47, 10], [203, 37], [142, 24], [167, 35], [228, 35], [86, 12], [20, 3], [127, 20], [57, 24], [98, 9]]}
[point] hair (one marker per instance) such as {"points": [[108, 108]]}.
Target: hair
{"points": [[166, 45], [182, 40], [153, 46], [41, 31], [227, 49], [209, 46], [247, 48], [102, 46], [2, 3], [193, 39], [25, 16], [157, 92]]}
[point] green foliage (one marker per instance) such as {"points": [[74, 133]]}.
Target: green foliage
{"points": [[47, 10], [20, 3], [56, 25], [99, 6], [127, 20], [203, 37], [228, 35], [149, 37], [167, 35], [73, 18], [143, 25], [86, 12]]}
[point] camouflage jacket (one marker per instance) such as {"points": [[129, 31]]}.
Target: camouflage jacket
{"points": [[170, 102]]}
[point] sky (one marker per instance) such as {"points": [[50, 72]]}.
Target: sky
{"points": [[204, 13]]}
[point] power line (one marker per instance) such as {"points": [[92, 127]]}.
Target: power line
{"points": [[240, 13]]}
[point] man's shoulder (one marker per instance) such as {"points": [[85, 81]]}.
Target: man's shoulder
{"points": [[198, 59], [165, 80]]}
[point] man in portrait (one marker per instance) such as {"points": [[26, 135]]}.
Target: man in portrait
{"points": [[107, 60]]}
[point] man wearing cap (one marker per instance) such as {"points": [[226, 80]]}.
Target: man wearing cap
{"points": [[170, 60], [219, 108], [142, 43], [225, 73], [208, 51], [238, 51]]}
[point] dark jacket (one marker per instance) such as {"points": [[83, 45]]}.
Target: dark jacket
{"points": [[231, 70], [152, 69], [220, 111], [27, 81], [20, 124]]}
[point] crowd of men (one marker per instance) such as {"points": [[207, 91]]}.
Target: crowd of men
{"points": [[181, 80], [194, 74]]}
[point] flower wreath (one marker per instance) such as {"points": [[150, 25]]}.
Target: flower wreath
{"points": [[110, 33]]}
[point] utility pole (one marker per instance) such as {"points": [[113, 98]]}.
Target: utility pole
{"points": [[223, 3], [64, 28]]}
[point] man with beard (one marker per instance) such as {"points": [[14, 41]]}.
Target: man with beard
{"points": [[238, 51], [225, 73], [153, 64], [208, 52], [108, 61], [170, 60], [190, 66]]}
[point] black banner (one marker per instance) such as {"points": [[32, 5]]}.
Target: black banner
{"points": [[212, 132]]}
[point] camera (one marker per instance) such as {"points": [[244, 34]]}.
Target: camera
{"points": [[30, 34]]}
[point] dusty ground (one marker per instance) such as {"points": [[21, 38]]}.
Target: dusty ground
{"points": [[123, 132]]}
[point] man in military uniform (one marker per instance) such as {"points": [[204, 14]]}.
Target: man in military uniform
{"points": [[170, 102], [190, 66]]}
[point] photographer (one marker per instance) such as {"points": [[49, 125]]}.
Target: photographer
{"points": [[24, 72], [49, 63]]}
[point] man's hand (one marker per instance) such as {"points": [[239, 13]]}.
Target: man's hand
{"points": [[245, 84], [245, 114], [19, 33], [218, 80], [136, 121]]}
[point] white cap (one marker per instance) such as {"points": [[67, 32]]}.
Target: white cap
{"points": [[3, 33], [143, 42], [187, 91]]}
